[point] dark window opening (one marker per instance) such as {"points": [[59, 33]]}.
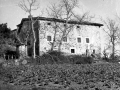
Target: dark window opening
{"points": [[48, 23], [78, 26], [87, 40], [28, 43], [30, 51], [48, 38], [94, 51], [79, 40], [64, 25], [72, 50], [65, 39]]}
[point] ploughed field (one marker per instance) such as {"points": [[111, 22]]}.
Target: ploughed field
{"points": [[61, 77]]}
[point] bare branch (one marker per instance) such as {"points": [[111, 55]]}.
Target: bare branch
{"points": [[55, 11], [28, 1], [23, 6], [113, 33], [69, 29]]}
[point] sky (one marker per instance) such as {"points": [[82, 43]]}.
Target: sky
{"points": [[11, 14]]}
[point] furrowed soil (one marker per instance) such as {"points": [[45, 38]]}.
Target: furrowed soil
{"points": [[60, 77]]}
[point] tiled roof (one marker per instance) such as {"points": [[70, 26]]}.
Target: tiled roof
{"points": [[61, 21]]}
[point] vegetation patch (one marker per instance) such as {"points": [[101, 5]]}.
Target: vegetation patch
{"points": [[63, 76]]}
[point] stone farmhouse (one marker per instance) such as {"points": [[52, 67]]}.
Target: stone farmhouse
{"points": [[83, 37]]}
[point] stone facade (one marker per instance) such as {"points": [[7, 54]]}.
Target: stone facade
{"points": [[80, 39], [83, 37]]}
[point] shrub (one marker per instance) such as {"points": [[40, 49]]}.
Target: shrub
{"points": [[110, 59], [78, 59], [59, 56], [55, 57], [88, 60], [52, 57]]}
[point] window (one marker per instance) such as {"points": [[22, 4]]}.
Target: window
{"points": [[64, 25], [78, 26], [72, 50], [49, 23], [48, 38], [87, 40], [79, 40], [94, 51], [65, 39]]}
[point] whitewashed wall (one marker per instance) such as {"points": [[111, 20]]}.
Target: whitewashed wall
{"points": [[84, 31], [23, 50]]}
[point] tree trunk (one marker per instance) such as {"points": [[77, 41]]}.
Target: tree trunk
{"points": [[60, 44], [113, 44], [59, 47], [64, 32], [34, 38], [113, 50], [52, 47], [17, 51]]}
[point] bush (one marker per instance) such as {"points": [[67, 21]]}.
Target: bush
{"points": [[59, 57], [110, 59], [78, 59], [52, 57], [55, 57], [88, 60]]}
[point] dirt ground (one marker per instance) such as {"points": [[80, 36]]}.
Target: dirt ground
{"points": [[52, 86]]}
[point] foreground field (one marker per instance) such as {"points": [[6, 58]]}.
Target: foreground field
{"points": [[62, 77]]}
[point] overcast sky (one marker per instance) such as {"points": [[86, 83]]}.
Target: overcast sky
{"points": [[10, 12]]}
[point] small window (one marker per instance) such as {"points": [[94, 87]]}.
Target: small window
{"points": [[94, 51], [79, 40], [78, 26], [72, 50], [64, 25], [48, 38], [49, 23], [87, 40], [65, 39]]}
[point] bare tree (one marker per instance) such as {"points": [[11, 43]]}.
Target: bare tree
{"points": [[113, 33], [65, 11], [55, 12], [67, 7], [28, 6]]}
